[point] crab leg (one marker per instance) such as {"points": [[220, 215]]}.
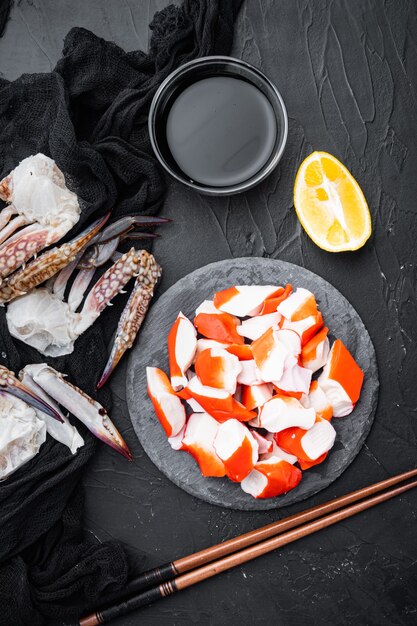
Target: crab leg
{"points": [[14, 387], [78, 288], [47, 264], [129, 223], [62, 278], [87, 410], [11, 227], [6, 215], [98, 254]]}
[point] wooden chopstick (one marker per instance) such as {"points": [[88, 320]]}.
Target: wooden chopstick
{"points": [[255, 543]]}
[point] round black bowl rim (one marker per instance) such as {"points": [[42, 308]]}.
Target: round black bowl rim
{"points": [[230, 189]]}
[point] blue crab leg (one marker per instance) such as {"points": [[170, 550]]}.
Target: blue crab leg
{"points": [[14, 387]]}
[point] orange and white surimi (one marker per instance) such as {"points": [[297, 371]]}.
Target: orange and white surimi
{"points": [[237, 448], [218, 368], [244, 300], [341, 380], [182, 345], [281, 412], [270, 478], [200, 433], [168, 407]]}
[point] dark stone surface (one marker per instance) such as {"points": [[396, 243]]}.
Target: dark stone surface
{"points": [[348, 74], [151, 349]]}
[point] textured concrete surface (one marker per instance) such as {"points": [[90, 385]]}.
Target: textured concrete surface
{"points": [[151, 349], [348, 73]]}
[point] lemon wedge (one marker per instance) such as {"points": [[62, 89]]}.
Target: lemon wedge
{"points": [[330, 204]]}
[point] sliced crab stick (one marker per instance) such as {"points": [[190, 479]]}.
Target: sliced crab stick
{"points": [[243, 351], [200, 433], [249, 374], [319, 401], [207, 306], [271, 304], [308, 445], [194, 406], [269, 354], [237, 448], [176, 441], [255, 327], [219, 369], [218, 326], [168, 407], [305, 328], [341, 380], [254, 396], [271, 477], [315, 353], [182, 345], [218, 403], [295, 380], [291, 340], [265, 446], [299, 305], [282, 412], [244, 300], [279, 452], [206, 344]]}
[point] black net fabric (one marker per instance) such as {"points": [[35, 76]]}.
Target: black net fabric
{"points": [[90, 116]]}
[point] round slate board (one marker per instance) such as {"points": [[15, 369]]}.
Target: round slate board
{"points": [[151, 349]]}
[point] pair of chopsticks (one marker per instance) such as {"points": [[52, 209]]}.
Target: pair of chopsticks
{"points": [[169, 578]]}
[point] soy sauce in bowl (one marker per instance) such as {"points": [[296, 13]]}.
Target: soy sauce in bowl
{"points": [[218, 125], [221, 131]]}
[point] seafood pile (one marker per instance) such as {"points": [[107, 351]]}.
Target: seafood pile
{"points": [[254, 384], [50, 318], [30, 408]]}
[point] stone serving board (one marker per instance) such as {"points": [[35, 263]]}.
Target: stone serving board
{"points": [[151, 349]]}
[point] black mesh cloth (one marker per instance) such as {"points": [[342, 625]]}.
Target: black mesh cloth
{"points": [[90, 116]]}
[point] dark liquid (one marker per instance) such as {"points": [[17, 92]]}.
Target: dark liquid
{"points": [[221, 131]]}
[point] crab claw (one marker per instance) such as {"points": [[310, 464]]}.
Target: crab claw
{"points": [[87, 410], [14, 387], [129, 223]]}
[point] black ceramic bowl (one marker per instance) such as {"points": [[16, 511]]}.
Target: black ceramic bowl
{"points": [[189, 74]]}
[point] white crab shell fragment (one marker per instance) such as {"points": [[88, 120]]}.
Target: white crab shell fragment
{"points": [[283, 412], [42, 320], [237, 448], [243, 300], [64, 431], [182, 346], [21, 434], [255, 327]]}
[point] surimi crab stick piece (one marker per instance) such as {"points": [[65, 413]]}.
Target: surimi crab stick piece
{"points": [[299, 305], [269, 354], [256, 326], [207, 306], [254, 396], [279, 452], [218, 368], [271, 304], [206, 344], [218, 326], [341, 380], [308, 445], [295, 379], [176, 441], [249, 374], [305, 328], [168, 407], [237, 448], [200, 433], [244, 300], [243, 352], [271, 477], [282, 412], [315, 353], [265, 446], [217, 402], [319, 401], [182, 345]]}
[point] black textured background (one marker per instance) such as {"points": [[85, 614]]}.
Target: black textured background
{"points": [[348, 73]]}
